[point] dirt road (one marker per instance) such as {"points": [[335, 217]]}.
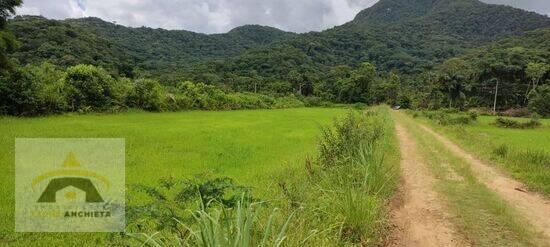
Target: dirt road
{"points": [[532, 206], [420, 217]]}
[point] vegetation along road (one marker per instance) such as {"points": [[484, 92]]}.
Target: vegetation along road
{"points": [[451, 198]]}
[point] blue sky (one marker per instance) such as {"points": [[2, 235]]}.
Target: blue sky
{"points": [[218, 16]]}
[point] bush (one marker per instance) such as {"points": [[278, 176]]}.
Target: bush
{"points": [[90, 88], [51, 92], [288, 102], [20, 94], [516, 112], [482, 111], [351, 170], [313, 101], [450, 110], [148, 95], [345, 139], [473, 115], [539, 100], [514, 124], [444, 118]]}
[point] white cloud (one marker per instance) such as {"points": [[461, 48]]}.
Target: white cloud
{"points": [[215, 16]]}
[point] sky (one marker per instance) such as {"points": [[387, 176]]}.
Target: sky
{"points": [[219, 16]]}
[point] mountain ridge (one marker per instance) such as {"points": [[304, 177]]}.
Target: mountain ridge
{"points": [[426, 33]]}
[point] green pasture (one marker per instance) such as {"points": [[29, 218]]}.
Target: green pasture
{"points": [[249, 146]]}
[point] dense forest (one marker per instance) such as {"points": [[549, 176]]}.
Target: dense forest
{"points": [[421, 53]]}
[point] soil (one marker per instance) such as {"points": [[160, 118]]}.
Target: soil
{"points": [[419, 217], [534, 207]]}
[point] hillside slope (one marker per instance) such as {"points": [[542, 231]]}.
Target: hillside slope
{"points": [[94, 41], [409, 36]]}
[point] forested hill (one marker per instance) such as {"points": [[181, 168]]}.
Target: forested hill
{"points": [[401, 35], [517, 64], [120, 49], [409, 36], [469, 20], [182, 47]]}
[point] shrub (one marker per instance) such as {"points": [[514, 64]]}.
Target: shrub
{"points": [[450, 110], [482, 111], [473, 115], [313, 101], [514, 124], [169, 201], [539, 100], [288, 102], [516, 112], [148, 95], [251, 101], [345, 139], [429, 114], [90, 88], [359, 106], [460, 120], [443, 118], [351, 166], [51, 93], [20, 94]]}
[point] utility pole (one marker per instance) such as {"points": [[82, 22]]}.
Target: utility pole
{"points": [[496, 95]]}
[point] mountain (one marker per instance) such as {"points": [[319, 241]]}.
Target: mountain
{"points": [[409, 36], [63, 44], [97, 42]]}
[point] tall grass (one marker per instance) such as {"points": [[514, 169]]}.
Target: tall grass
{"points": [[237, 227], [343, 193], [240, 226]]}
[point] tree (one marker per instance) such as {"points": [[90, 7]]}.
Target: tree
{"points": [[296, 79], [535, 71], [356, 87], [90, 88], [148, 95], [499, 65], [7, 40], [386, 90], [539, 100], [50, 79], [19, 94], [455, 75]]}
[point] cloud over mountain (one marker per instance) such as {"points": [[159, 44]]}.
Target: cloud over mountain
{"points": [[217, 16]]}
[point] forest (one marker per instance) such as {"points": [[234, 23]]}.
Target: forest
{"points": [[419, 55]]}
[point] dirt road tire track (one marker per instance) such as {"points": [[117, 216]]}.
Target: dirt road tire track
{"points": [[534, 207], [420, 218]]}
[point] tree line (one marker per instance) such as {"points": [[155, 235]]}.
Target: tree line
{"points": [[310, 69]]}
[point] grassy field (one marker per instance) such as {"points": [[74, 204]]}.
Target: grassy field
{"points": [[249, 146], [523, 153]]}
